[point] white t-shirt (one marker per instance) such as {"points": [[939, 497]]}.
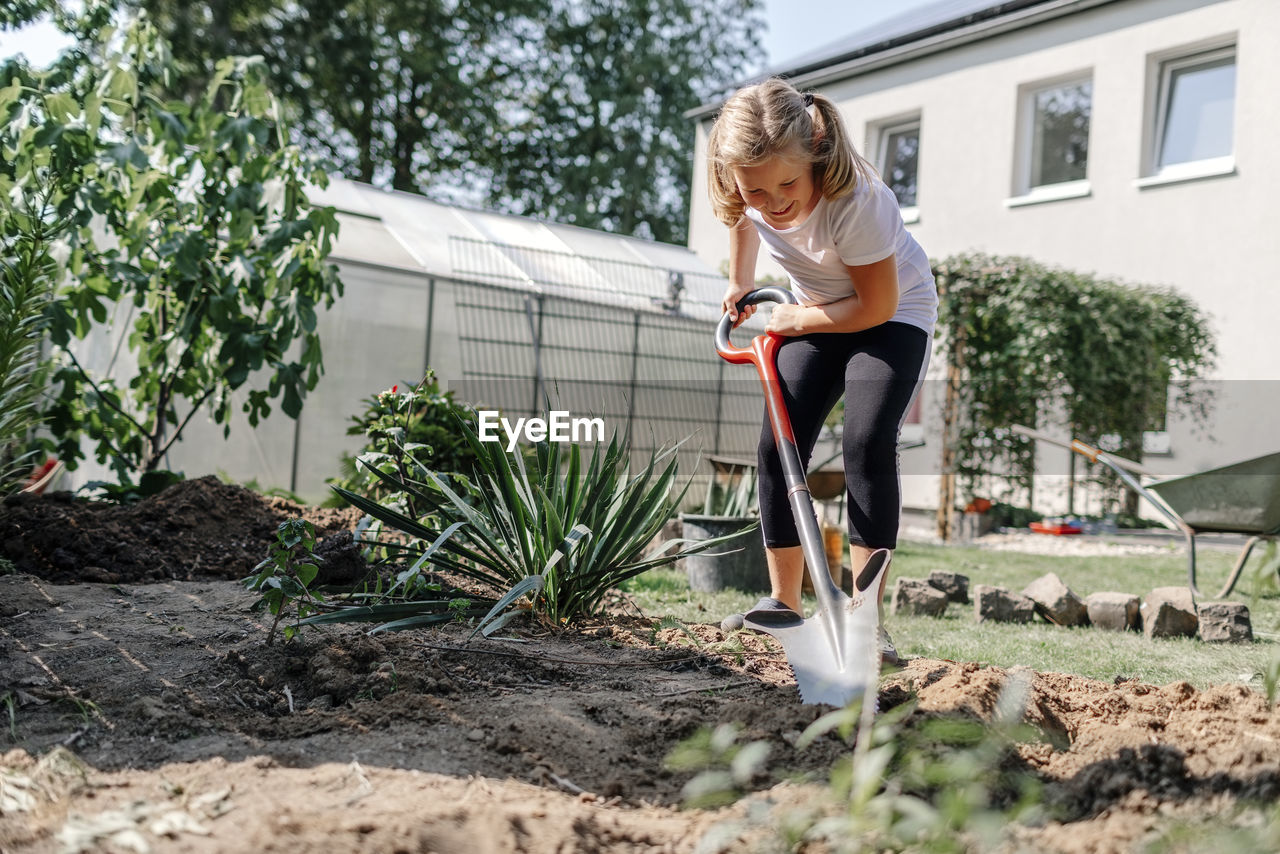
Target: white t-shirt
{"points": [[859, 228]]}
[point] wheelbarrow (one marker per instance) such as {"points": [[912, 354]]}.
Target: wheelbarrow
{"points": [[1241, 498]]}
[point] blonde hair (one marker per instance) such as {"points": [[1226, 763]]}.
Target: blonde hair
{"points": [[773, 118]]}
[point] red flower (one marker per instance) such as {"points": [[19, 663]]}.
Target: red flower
{"points": [[394, 387]]}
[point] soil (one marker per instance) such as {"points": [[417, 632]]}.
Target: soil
{"points": [[144, 711]]}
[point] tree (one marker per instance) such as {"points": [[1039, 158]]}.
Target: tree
{"points": [[186, 221], [393, 93], [571, 110], [600, 137], [1025, 342]]}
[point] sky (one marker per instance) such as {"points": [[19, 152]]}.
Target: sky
{"points": [[795, 27], [40, 43]]}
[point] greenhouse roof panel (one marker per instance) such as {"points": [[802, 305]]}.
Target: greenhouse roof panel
{"points": [[404, 230], [368, 241]]}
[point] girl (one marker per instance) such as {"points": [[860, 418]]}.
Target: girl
{"points": [[783, 171]]}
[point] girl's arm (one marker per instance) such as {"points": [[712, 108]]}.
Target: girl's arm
{"points": [[874, 301], [744, 247]]}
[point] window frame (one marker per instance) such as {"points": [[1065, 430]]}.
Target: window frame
{"points": [[881, 133], [1024, 193], [1160, 69]]}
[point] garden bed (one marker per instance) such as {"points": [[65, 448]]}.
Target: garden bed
{"points": [[145, 712]]}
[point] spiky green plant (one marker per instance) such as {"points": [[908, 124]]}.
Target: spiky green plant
{"points": [[559, 529], [735, 499], [26, 279]]}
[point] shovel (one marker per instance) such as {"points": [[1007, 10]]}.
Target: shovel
{"points": [[834, 654]]}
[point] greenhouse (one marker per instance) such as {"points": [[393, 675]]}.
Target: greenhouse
{"points": [[511, 313]]}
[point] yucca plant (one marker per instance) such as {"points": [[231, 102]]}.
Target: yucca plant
{"points": [[26, 276], [735, 499], [558, 529]]}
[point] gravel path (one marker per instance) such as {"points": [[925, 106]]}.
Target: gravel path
{"points": [[1078, 545]]}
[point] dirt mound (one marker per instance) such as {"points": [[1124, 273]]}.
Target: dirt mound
{"points": [[195, 529], [1117, 759]]}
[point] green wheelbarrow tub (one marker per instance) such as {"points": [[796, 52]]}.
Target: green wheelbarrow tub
{"points": [[1241, 498]]}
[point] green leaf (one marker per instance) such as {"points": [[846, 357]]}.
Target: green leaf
{"points": [[523, 587], [10, 94], [121, 83], [61, 107], [307, 573]]}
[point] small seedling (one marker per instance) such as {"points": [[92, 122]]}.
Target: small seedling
{"points": [[672, 623], [285, 575], [87, 709], [1271, 679], [725, 767]]}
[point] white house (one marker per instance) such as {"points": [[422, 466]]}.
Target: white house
{"points": [[1130, 138]]}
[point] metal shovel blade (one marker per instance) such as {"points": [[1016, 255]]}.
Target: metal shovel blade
{"points": [[835, 653]]}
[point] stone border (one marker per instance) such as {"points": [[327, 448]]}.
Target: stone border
{"points": [[1163, 612]]}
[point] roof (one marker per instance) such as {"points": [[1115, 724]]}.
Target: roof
{"points": [[409, 233], [929, 29]]}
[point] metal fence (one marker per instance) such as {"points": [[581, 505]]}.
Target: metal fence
{"points": [[601, 338]]}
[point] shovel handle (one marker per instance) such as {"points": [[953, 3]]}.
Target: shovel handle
{"points": [[742, 355], [763, 354]]}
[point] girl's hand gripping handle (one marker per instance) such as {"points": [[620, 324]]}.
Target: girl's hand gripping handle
{"points": [[740, 355]]}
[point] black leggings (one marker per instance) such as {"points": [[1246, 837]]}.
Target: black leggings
{"points": [[878, 371]]}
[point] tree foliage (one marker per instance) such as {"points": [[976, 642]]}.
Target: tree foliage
{"points": [[571, 110], [19, 13], [600, 138], [189, 229], [399, 93], [1030, 344]]}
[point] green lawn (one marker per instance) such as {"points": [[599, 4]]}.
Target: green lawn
{"points": [[1040, 645]]}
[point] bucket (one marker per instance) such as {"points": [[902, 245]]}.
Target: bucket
{"points": [[738, 563]]}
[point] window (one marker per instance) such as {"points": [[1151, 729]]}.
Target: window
{"points": [[1194, 115], [1060, 134], [899, 158], [1054, 143]]}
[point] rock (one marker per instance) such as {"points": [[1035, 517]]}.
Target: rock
{"points": [[1225, 622], [1117, 612], [1001, 606], [955, 585], [1055, 601], [916, 596], [1169, 612]]}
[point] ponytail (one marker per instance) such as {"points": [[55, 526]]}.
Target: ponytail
{"points": [[840, 166]]}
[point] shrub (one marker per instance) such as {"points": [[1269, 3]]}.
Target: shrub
{"points": [[422, 422]]}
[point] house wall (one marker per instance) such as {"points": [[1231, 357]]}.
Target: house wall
{"points": [[1214, 239]]}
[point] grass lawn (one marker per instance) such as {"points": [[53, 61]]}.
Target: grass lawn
{"points": [[1040, 645]]}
